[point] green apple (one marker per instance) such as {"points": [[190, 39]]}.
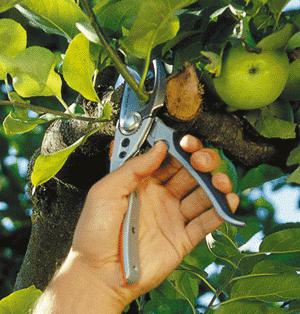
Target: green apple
{"points": [[292, 87], [251, 80]]}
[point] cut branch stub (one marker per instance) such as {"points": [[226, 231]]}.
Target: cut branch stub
{"points": [[184, 94]]}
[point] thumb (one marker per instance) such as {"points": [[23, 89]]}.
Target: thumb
{"points": [[125, 179]]}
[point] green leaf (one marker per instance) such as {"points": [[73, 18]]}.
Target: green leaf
{"points": [[255, 6], [276, 6], [294, 177], [272, 127], [20, 302], [47, 166], [193, 270], [98, 53], [152, 28], [13, 39], [222, 279], [246, 32], [273, 267], [115, 15], [294, 157], [294, 42], [107, 111], [215, 64], [179, 37], [79, 68], [189, 52], [259, 175], [268, 288], [200, 257], [186, 284], [261, 202], [6, 64], [88, 31], [274, 121], [284, 241], [12, 124], [246, 307], [229, 230], [99, 4], [248, 262], [186, 287], [168, 306], [215, 15], [165, 291], [13, 96], [223, 247], [33, 73], [281, 110], [100, 56], [294, 307], [180, 285], [7, 4], [277, 40], [252, 227], [55, 16]]}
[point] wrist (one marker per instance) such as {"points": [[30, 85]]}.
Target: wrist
{"points": [[77, 288]]}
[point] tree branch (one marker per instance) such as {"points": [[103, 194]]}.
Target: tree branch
{"points": [[40, 109]]}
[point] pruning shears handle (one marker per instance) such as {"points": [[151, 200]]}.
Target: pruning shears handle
{"points": [[172, 138]]}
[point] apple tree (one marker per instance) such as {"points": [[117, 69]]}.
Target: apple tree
{"points": [[233, 80]]}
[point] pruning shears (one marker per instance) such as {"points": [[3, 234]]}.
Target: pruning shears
{"points": [[138, 123]]}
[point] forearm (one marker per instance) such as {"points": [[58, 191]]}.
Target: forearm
{"points": [[75, 290]]}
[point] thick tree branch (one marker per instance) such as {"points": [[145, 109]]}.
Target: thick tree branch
{"points": [[229, 132]]}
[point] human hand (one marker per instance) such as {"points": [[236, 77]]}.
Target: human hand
{"points": [[174, 216]]}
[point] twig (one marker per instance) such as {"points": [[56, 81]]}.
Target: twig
{"points": [[41, 109], [218, 292], [145, 71], [112, 53]]}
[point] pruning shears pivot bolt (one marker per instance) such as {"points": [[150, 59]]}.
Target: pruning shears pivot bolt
{"points": [[131, 122]]}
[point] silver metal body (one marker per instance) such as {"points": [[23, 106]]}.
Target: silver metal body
{"points": [[138, 123]]}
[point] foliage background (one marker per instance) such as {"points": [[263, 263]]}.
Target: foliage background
{"points": [[15, 153]]}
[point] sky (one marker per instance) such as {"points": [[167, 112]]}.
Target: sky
{"points": [[294, 4]]}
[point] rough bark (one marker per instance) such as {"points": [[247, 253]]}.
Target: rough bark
{"points": [[237, 138], [57, 204]]}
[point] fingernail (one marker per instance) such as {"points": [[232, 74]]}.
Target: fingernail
{"points": [[204, 158], [160, 143], [202, 161], [222, 182], [184, 141], [190, 143], [233, 201]]}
